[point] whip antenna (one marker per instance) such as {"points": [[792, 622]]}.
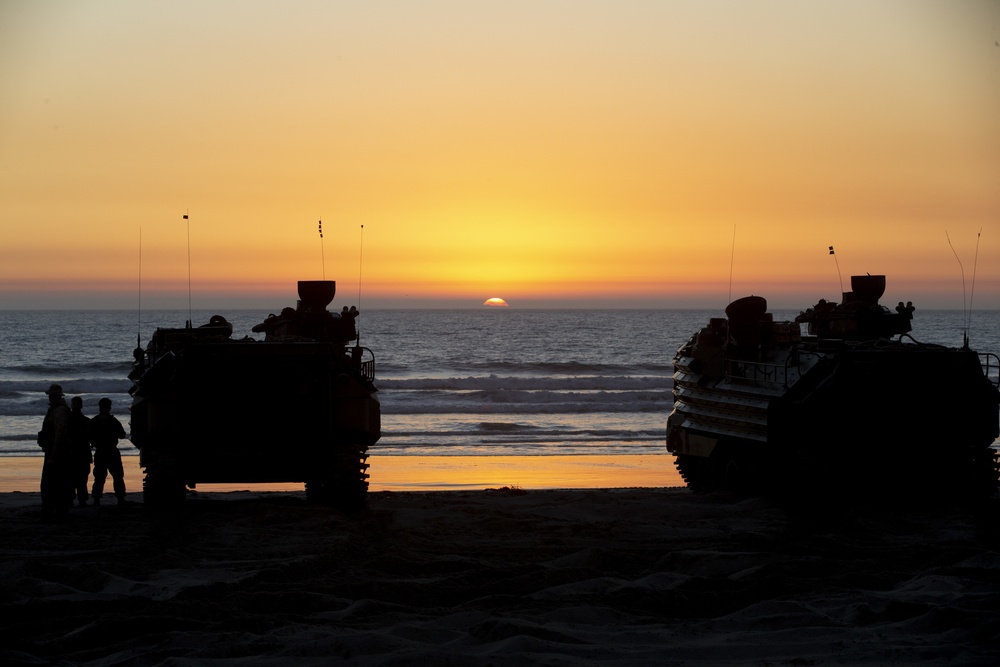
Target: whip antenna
{"points": [[188, 222], [965, 334], [138, 333], [972, 292], [361, 256], [322, 250], [732, 256], [839, 277]]}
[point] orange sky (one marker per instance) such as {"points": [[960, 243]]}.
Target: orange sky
{"points": [[571, 153]]}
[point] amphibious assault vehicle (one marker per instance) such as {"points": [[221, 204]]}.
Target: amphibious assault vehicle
{"points": [[299, 406], [853, 403]]}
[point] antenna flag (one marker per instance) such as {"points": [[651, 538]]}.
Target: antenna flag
{"points": [[185, 216], [321, 229], [837, 262]]}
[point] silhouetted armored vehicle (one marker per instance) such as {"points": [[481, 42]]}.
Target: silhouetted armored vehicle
{"points": [[854, 405], [299, 406]]}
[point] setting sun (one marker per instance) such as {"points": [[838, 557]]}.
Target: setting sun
{"points": [[495, 302]]}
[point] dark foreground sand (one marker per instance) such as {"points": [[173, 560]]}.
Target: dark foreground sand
{"points": [[499, 577]]}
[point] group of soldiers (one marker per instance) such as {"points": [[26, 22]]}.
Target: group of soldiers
{"points": [[72, 442]]}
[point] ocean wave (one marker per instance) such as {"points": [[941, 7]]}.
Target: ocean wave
{"points": [[21, 437], [405, 427], [70, 386], [533, 367], [523, 402], [436, 448], [118, 368], [503, 427], [506, 382], [31, 400]]}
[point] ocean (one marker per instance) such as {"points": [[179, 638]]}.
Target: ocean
{"points": [[497, 381]]}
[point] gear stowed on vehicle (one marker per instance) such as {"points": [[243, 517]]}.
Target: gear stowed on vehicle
{"points": [[853, 406]]}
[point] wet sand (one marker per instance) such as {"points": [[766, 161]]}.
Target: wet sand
{"points": [[434, 473]]}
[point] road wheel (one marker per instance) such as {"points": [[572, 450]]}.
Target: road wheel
{"points": [[731, 469], [345, 486], [696, 473]]}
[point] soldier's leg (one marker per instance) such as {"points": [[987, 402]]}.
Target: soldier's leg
{"points": [[46, 487], [66, 489], [81, 484], [117, 470], [100, 474]]}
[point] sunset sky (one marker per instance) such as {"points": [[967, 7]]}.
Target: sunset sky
{"points": [[550, 153]]}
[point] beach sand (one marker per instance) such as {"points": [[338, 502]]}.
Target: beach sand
{"points": [[642, 576]]}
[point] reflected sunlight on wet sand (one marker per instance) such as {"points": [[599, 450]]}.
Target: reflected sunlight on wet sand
{"points": [[433, 473]]}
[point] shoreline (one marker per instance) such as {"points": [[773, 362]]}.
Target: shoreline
{"points": [[430, 473]]}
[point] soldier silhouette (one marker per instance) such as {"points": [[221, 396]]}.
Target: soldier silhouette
{"points": [[105, 431], [79, 428], [55, 441]]}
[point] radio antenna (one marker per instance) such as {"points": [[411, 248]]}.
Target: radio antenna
{"points": [[839, 277], [188, 222], [322, 250], [972, 292], [138, 334], [732, 257], [965, 310], [361, 256]]}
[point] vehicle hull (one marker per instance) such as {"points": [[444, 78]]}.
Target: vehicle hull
{"points": [[793, 411]]}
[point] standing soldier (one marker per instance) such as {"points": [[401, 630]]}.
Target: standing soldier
{"points": [[79, 426], [105, 431], [55, 441]]}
